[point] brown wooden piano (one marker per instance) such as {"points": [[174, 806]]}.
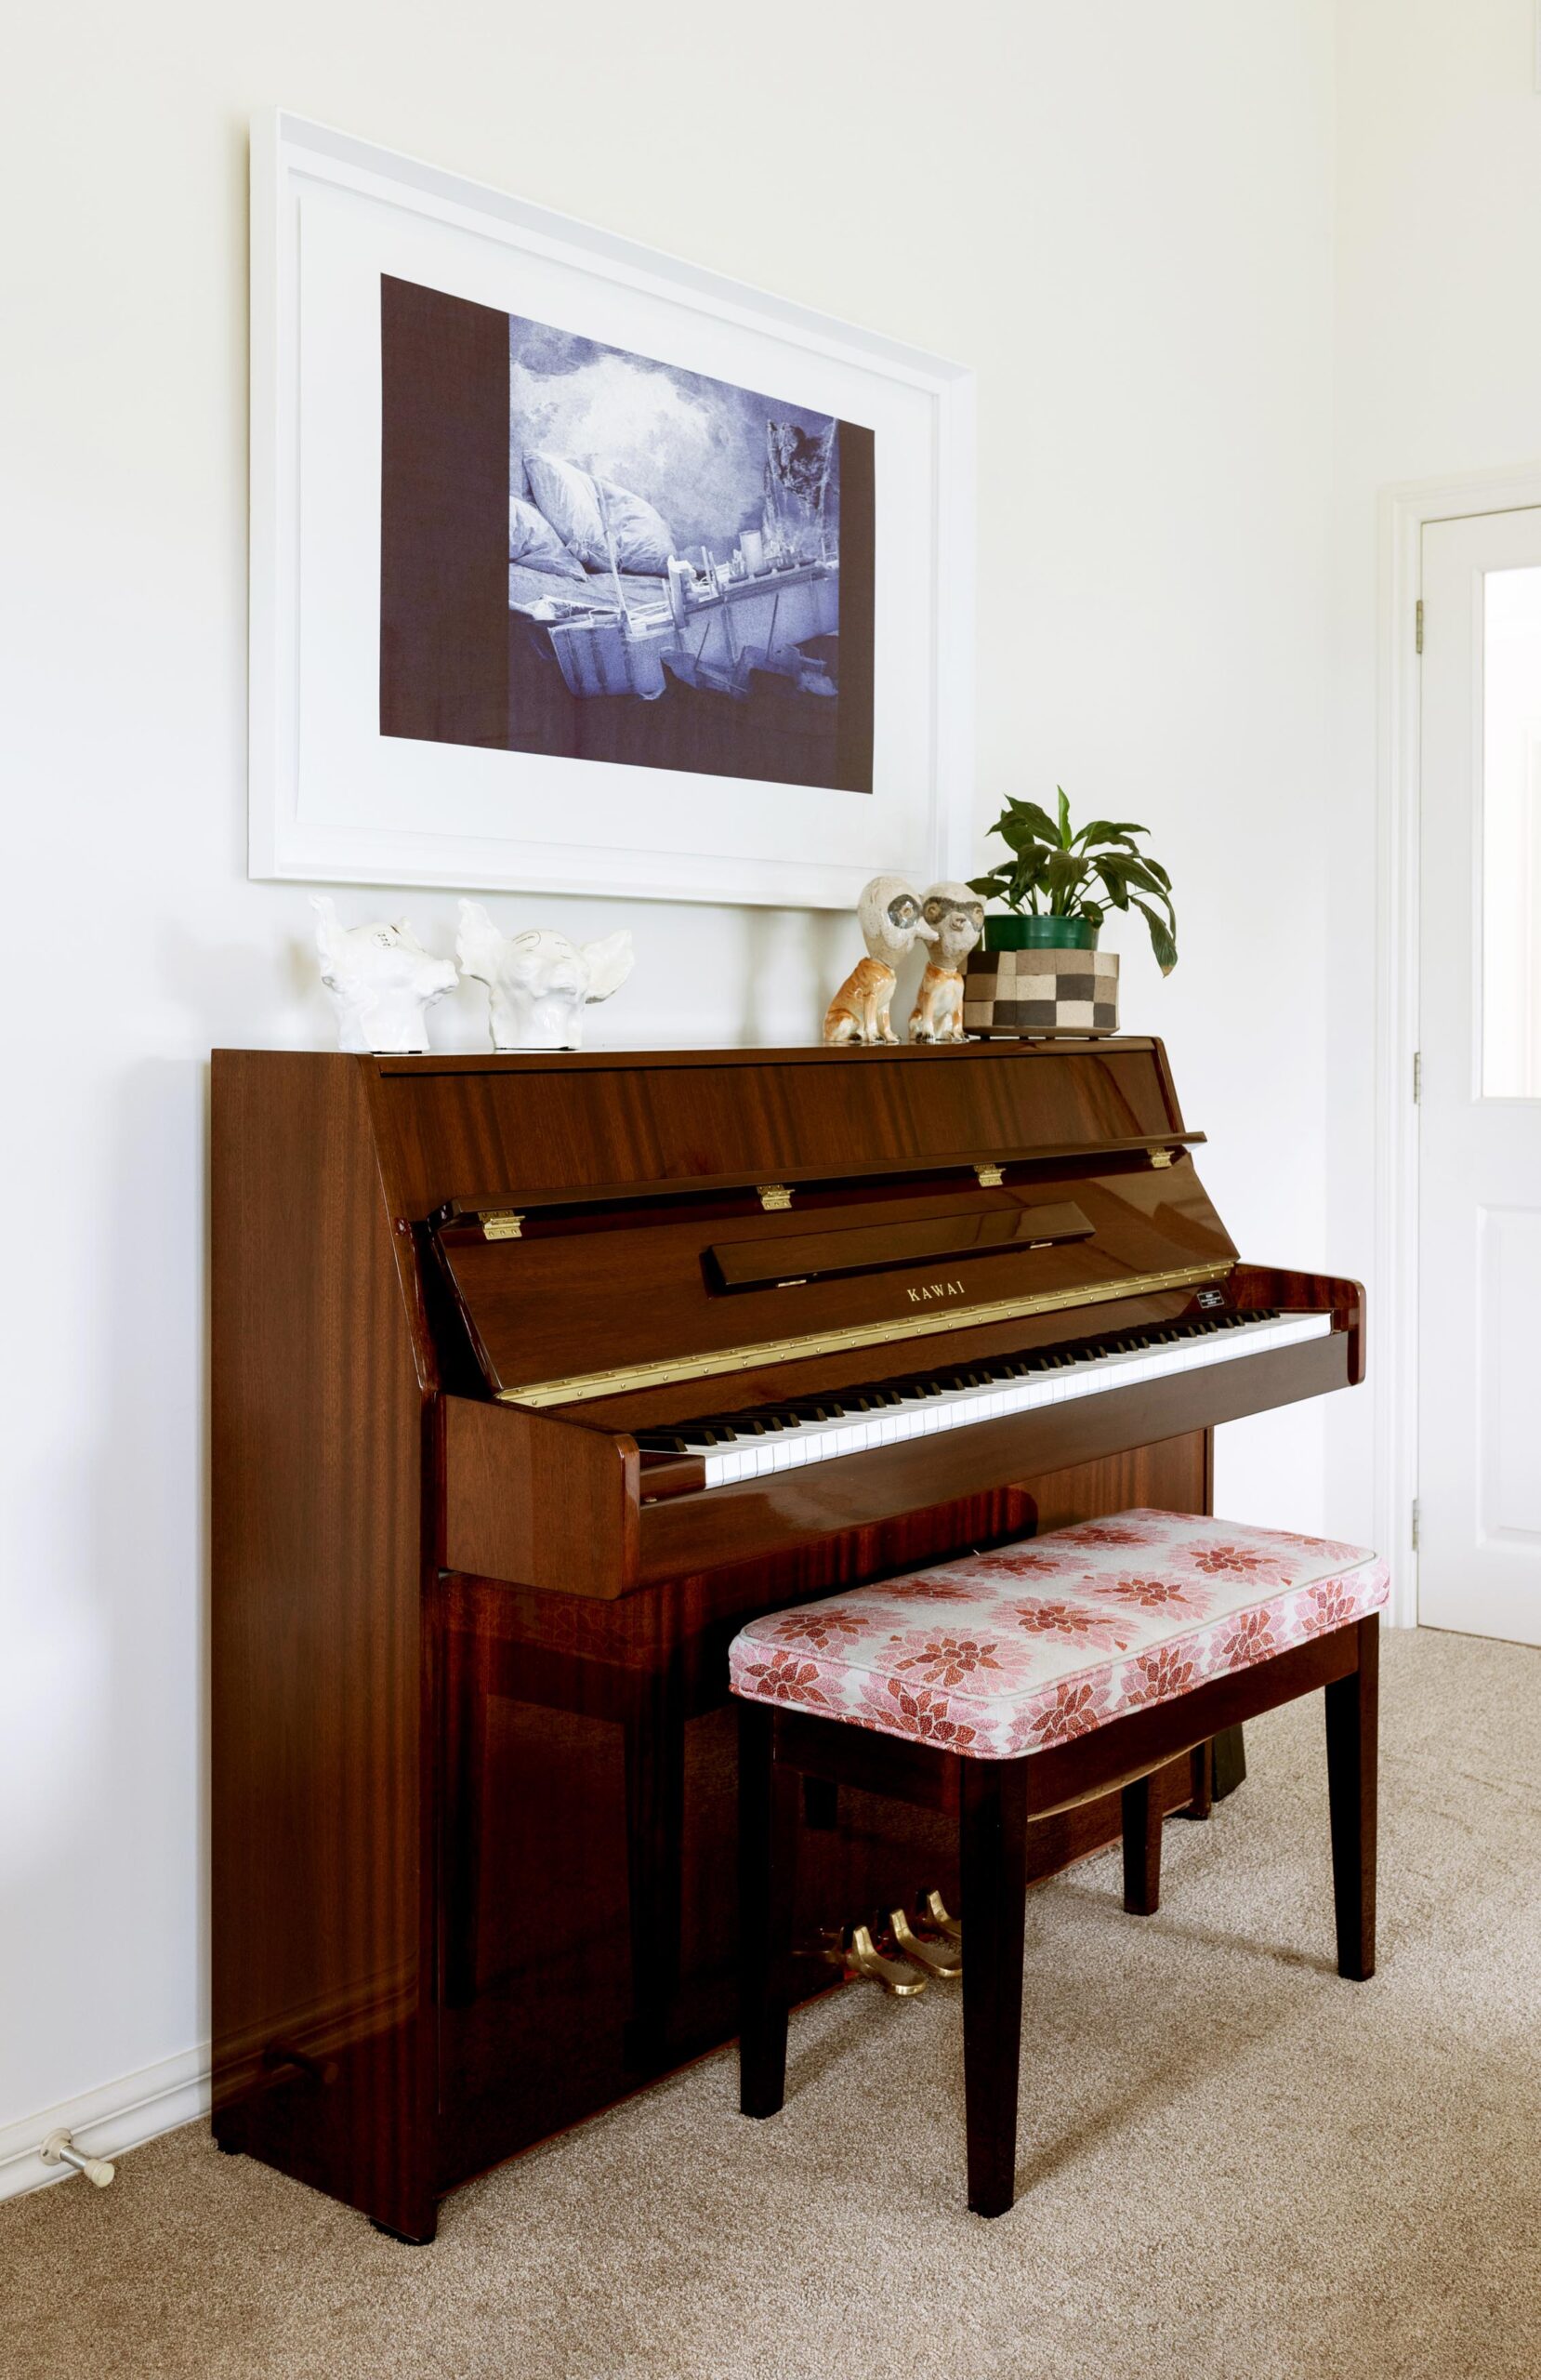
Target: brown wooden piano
{"points": [[533, 1378]]}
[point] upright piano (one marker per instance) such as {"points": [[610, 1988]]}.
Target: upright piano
{"points": [[533, 1378]]}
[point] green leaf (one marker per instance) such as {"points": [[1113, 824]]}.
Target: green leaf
{"points": [[1064, 876], [1021, 821], [1116, 868], [1162, 940], [1064, 817], [1110, 830]]}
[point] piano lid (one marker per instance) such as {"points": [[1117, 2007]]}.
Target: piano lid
{"points": [[611, 1124]]}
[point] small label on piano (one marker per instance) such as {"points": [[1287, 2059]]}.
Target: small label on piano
{"points": [[1209, 1299]]}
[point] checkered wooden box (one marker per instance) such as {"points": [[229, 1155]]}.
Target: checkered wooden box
{"points": [[1045, 992]]}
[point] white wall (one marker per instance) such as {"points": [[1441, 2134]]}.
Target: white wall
{"points": [[1437, 351], [1119, 215]]}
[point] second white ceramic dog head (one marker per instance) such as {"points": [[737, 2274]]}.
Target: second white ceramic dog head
{"points": [[381, 979], [538, 983]]}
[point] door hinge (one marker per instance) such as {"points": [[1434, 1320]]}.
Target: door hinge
{"points": [[1415, 1524], [1417, 1078], [1418, 631]]}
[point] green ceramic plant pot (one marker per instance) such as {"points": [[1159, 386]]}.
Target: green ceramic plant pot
{"points": [[1011, 933]]}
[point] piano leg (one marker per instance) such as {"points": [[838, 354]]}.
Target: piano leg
{"points": [[468, 1684], [993, 1845], [655, 1818], [768, 1794]]}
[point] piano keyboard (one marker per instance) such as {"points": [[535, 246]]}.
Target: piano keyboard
{"points": [[735, 1446]]}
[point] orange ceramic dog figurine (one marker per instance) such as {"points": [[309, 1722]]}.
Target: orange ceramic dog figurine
{"points": [[889, 913], [958, 916]]}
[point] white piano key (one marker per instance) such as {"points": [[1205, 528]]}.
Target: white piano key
{"points": [[792, 1448]]}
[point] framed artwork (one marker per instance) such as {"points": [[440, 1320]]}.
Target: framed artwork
{"points": [[575, 568]]}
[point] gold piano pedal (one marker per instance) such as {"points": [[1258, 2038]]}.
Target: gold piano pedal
{"points": [[931, 1910], [858, 1954], [934, 1954]]}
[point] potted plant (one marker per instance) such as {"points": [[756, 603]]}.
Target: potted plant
{"points": [[1036, 973]]}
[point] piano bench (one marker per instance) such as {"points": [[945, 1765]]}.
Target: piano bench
{"points": [[1004, 1687]]}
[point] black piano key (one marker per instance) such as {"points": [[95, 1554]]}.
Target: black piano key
{"points": [[879, 1396]]}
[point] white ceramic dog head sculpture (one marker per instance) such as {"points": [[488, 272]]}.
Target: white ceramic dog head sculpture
{"points": [[888, 914], [539, 981], [958, 913], [381, 979]]}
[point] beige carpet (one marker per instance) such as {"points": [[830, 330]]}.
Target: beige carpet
{"points": [[1231, 2163]]}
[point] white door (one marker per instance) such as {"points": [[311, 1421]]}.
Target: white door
{"points": [[1479, 1118]]}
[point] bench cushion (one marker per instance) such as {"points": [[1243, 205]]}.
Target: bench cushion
{"points": [[1005, 1653]]}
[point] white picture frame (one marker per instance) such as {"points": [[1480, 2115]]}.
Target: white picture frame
{"points": [[334, 799]]}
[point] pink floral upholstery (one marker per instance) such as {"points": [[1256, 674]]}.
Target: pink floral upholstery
{"points": [[1005, 1653]]}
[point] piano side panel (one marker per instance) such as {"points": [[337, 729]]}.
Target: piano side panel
{"points": [[583, 1955], [1264, 1285], [462, 1128], [545, 1503], [320, 1443]]}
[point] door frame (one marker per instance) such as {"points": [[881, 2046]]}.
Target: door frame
{"points": [[1406, 511]]}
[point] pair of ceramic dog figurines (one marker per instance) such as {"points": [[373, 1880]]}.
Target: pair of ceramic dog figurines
{"points": [[893, 918], [383, 982]]}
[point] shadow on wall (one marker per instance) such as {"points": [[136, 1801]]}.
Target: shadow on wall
{"points": [[766, 983], [102, 1693], [790, 967]]}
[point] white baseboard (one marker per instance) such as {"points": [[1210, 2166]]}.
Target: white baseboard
{"points": [[107, 2121]]}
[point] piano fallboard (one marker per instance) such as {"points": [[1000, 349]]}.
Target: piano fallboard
{"points": [[565, 1314]]}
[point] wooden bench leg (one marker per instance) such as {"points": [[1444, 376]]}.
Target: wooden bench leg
{"points": [[1201, 1771], [1352, 1715], [994, 1855], [768, 1798], [1228, 1763], [1142, 1848]]}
